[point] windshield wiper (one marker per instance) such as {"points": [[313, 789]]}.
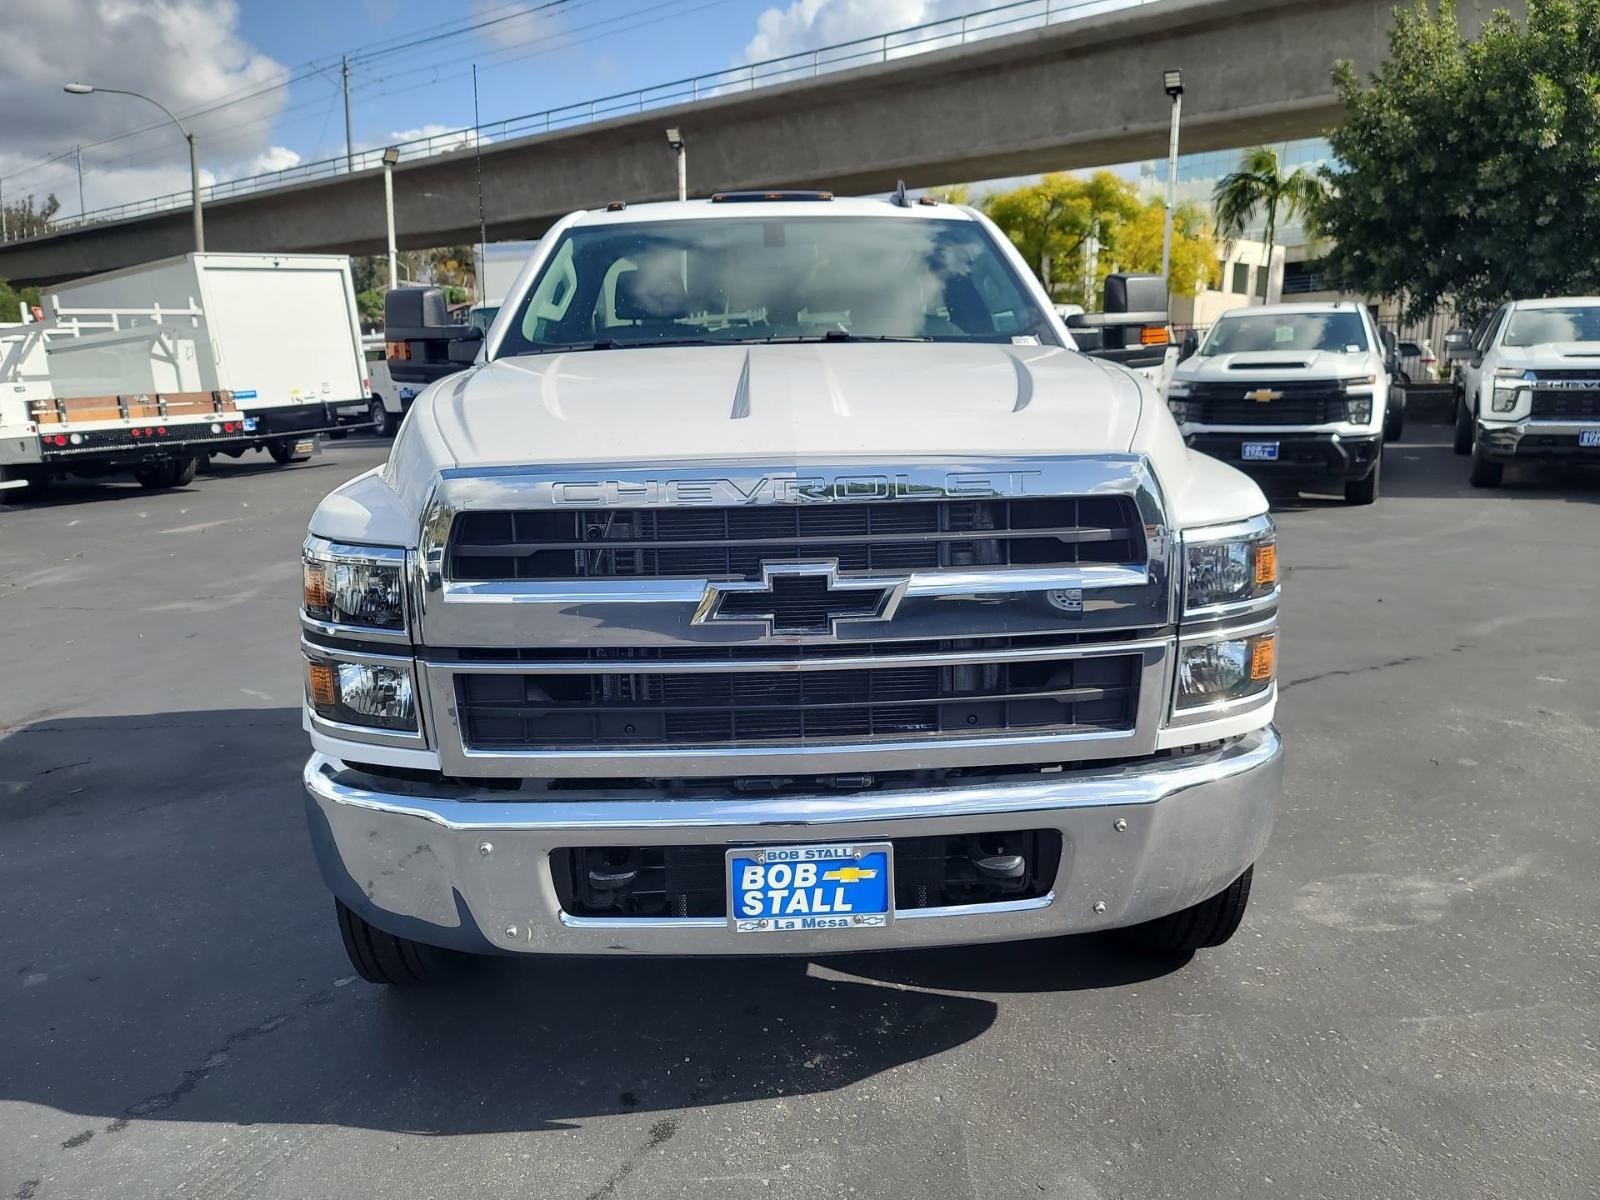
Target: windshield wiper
{"points": [[612, 344], [839, 335]]}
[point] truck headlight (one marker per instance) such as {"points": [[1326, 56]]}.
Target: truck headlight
{"points": [[1179, 409], [1506, 396], [359, 693], [1219, 672], [1230, 570], [355, 585], [1358, 407]]}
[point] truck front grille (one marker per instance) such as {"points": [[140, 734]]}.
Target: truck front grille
{"points": [[1299, 404], [1560, 403], [533, 711], [732, 543]]}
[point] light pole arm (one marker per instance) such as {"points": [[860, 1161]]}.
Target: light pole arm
{"points": [[194, 159], [171, 116]]}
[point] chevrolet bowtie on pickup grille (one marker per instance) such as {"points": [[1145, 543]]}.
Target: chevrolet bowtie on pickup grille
{"points": [[779, 579], [1294, 393]]}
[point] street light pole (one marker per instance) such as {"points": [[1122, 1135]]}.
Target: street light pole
{"points": [[675, 140], [390, 157], [1172, 81], [86, 89], [79, 149]]}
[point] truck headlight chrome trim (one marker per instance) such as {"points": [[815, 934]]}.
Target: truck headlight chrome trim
{"points": [[362, 691], [355, 587], [1230, 568]]}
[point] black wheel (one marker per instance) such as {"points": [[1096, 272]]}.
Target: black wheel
{"points": [[283, 451], [1464, 427], [184, 472], [1209, 923], [1485, 474], [383, 424], [1364, 491], [380, 957], [157, 476], [1394, 416], [35, 484]]}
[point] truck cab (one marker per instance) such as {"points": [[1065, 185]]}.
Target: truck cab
{"points": [[1293, 393], [1527, 385], [778, 577]]}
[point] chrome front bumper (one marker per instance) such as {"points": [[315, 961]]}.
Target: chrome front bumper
{"points": [[1537, 438], [465, 868]]}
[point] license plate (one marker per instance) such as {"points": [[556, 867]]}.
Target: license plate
{"points": [[1589, 437], [776, 889], [250, 424], [1259, 452], [305, 446]]}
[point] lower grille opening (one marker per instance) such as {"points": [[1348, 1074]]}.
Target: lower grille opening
{"points": [[690, 881]]}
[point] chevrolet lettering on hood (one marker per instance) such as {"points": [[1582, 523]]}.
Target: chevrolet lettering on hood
{"points": [[769, 489]]}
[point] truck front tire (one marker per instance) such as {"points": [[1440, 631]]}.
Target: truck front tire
{"points": [[1209, 923], [1365, 491], [383, 425], [380, 957], [1464, 430], [1485, 474]]}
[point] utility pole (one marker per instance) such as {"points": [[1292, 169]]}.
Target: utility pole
{"points": [[349, 140], [4, 236], [1172, 82], [80, 182]]}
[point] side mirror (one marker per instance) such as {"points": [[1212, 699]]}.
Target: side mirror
{"points": [[422, 338], [464, 349], [1457, 345], [1088, 340], [1190, 347]]}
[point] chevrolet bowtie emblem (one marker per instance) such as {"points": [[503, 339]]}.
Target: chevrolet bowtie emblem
{"points": [[800, 598], [849, 874], [1262, 395]]}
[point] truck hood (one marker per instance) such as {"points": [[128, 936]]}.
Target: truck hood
{"points": [[1274, 364], [689, 403], [1565, 356]]}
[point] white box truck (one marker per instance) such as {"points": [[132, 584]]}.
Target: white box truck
{"points": [[277, 331]]}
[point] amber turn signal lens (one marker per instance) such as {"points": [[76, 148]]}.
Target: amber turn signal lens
{"points": [[1153, 335], [324, 693], [316, 587], [397, 350], [1266, 563], [1262, 654]]}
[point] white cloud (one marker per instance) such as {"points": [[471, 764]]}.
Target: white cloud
{"points": [[186, 53], [444, 137], [810, 24], [274, 158], [513, 24]]}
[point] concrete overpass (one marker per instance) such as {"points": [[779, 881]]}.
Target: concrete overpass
{"points": [[1083, 93]]}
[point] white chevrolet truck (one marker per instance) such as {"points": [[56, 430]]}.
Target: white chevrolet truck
{"points": [[779, 578], [1293, 393], [1527, 386]]}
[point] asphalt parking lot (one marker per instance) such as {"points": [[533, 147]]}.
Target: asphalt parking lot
{"points": [[1409, 1010]]}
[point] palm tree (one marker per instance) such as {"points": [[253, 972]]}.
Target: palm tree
{"points": [[1259, 186]]}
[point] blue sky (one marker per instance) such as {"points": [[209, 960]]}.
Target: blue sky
{"points": [[259, 80]]}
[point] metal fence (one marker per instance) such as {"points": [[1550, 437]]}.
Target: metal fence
{"points": [[885, 47]]}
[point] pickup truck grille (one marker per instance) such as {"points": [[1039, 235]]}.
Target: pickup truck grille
{"points": [[732, 543], [1299, 404], [1560, 403], [533, 711]]}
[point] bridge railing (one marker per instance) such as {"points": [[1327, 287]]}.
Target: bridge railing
{"points": [[950, 32]]}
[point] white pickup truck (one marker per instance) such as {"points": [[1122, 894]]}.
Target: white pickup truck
{"points": [[1297, 393], [1527, 385], [780, 579]]}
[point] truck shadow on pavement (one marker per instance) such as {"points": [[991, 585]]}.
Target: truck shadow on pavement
{"points": [[171, 953], [1424, 467]]}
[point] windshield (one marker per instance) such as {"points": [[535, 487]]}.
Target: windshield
{"points": [[773, 278], [1539, 326], [1339, 332]]}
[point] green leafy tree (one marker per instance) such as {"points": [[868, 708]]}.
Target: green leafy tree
{"points": [[1261, 189], [1051, 222], [11, 301], [1470, 171]]}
